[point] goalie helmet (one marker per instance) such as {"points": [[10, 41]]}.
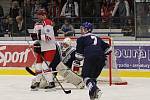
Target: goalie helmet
{"points": [[66, 43]]}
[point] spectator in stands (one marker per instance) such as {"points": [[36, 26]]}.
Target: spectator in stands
{"points": [[21, 26], [121, 12], [106, 13], [15, 9], [129, 31], [27, 14], [1, 11], [6, 25], [70, 9], [44, 4], [13, 13], [87, 8], [54, 8], [90, 9], [12, 29], [1, 20], [67, 29], [131, 5], [36, 6]]}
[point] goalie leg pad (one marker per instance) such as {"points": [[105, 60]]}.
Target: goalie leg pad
{"points": [[70, 76]]}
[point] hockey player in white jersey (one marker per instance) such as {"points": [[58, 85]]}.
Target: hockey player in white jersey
{"points": [[45, 50]]}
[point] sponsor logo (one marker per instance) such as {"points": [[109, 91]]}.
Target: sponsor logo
{"points": [[16, 56]]}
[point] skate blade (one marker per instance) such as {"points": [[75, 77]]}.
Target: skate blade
{"points": [[36, 89], [50, 90], [44, 90], [92, 99]]}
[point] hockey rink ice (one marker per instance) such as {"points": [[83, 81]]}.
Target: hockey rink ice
{"points": [[17, 88]]}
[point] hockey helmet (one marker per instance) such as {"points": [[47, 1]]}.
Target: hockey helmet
{"points": [[66, 43], [88, 26]]}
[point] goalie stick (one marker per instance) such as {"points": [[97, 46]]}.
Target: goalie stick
{"points": [[66, 91]]}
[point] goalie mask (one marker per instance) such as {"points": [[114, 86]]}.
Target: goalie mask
{"points": [[66, 44]]}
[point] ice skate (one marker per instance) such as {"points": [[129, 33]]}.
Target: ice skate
{"points": [[96, 95], [51, 87], [35, 86]]}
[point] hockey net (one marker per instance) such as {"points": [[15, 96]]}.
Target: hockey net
{"points": [[110, 73]]}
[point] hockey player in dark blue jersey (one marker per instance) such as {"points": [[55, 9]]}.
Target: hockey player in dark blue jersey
{"points": [[93, 50]]}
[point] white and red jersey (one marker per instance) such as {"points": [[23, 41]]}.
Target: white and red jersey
{"points": [[47, 22], [47, 35], [47, 38]]}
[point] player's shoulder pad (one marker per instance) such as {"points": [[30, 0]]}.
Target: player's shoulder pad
{"points": [[48, 29]]}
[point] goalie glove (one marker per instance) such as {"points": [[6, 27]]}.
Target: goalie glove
{"points": [[76, 63], [76, 67]]}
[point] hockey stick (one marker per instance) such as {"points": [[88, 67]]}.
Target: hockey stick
{"points": [[66, 91], [30, 71], [34, 74]]}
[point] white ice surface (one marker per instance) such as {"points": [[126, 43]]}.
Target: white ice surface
{"points": [[17, 88]]}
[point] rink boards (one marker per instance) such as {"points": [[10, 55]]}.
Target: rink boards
{"points": [[133, 58], [122, 73]]}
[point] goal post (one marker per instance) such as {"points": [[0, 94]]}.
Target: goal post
{"points": [[110, 73]]}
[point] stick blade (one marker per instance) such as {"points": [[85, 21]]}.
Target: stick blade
{"points": [[68, 92]]}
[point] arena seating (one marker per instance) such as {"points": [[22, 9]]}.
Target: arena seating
{"points": [[102, 32]]}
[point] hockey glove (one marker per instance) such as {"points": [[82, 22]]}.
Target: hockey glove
{"points": [[37, 47]]}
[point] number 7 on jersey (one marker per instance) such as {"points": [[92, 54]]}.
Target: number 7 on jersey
{"points": [[95, 40]]}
